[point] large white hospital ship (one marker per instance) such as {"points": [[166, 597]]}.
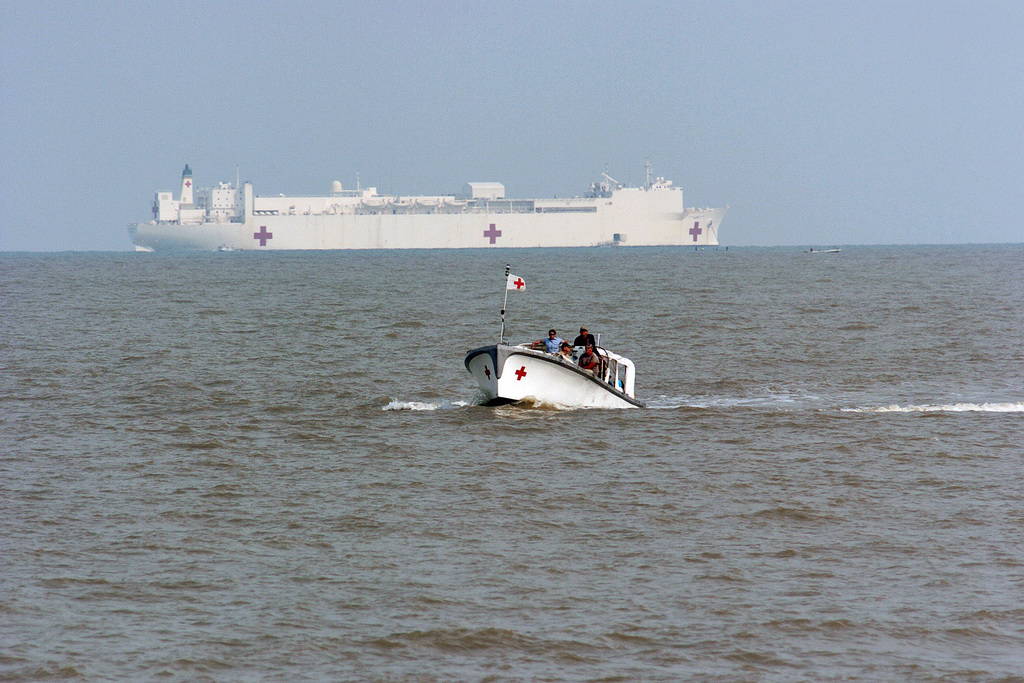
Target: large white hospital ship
{"points": [[229, 217]]}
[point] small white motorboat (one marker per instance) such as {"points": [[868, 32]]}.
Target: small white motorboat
{"points": [[508, 374]]}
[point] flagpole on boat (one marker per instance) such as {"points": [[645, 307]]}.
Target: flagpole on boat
{"points": [[508, 269]]}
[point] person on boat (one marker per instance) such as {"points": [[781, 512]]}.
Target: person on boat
{"points": [[565, 350], [550, 344], [584, 338], [590, 360]]}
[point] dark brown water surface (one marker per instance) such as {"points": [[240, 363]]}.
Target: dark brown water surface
{"points": [[269, 467]]}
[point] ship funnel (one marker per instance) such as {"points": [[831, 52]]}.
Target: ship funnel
{"points": [[186, 186]]}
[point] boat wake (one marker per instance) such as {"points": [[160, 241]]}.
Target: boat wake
{"points": [[944, 408], [422, 405], [525, 404], [804, 401], [786, 402], [531, 403]]}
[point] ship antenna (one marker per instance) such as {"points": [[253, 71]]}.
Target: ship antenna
{"points": [[508, 269], [647, 165]]}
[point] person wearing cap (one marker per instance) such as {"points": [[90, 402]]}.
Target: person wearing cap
{"points": [[584, 338], [550, 344], [565, 350]]}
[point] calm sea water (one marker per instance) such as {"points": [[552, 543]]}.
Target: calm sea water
{"points": [[270, 467]]}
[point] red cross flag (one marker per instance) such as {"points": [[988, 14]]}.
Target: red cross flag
{"points": [[515, 282]]}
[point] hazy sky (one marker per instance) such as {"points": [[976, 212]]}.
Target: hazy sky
{"points": [[818, 122]]}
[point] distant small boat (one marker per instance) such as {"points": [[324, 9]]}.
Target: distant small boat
{"points": [[823, 251]]}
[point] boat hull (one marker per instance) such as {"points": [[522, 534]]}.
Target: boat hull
{"points": [[508, 374], [689, 227]]}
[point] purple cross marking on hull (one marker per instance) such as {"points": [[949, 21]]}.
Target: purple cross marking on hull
{"points": [[263, 235]]}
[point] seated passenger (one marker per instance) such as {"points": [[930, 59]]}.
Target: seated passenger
{"points": [[550, 344], [565, 351], [590, 360]]}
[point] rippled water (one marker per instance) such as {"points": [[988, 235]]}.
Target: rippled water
{"points": [[270, 466]]}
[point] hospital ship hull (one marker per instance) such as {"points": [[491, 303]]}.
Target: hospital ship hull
{"points": [[232, 218]]}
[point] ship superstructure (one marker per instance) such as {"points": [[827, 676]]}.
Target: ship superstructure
{"points": [[232, 217]]}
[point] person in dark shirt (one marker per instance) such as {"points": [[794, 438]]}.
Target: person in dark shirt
{"points": [[584, 338]]}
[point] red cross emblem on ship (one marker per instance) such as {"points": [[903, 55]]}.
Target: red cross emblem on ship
{"points": [[263, 235], [492, 233]]}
